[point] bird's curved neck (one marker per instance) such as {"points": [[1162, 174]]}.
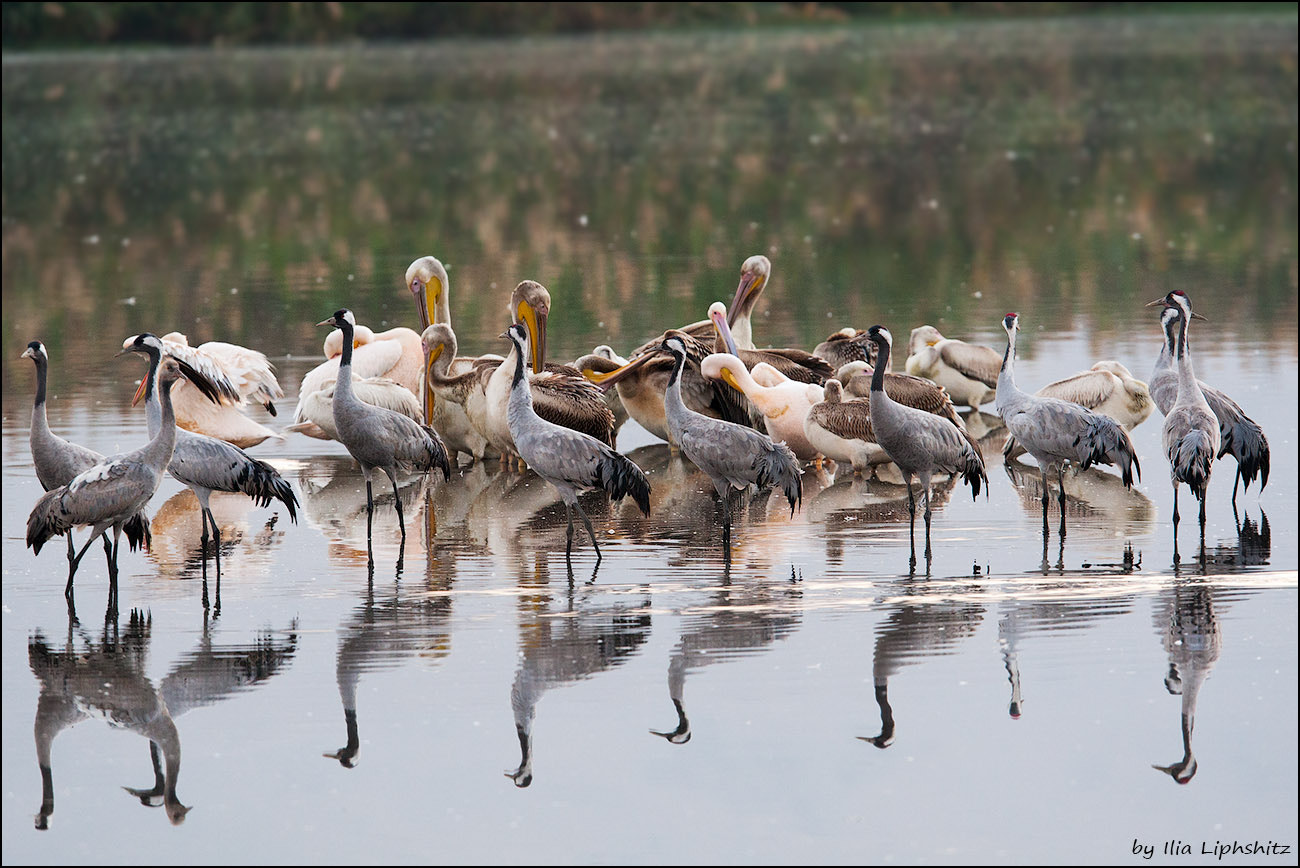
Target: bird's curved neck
{"points": [[42, 373], [348, 334], [153, 409], [1007, 375], [1187, 385], [521, 395], [343, 385], [882, 365]]}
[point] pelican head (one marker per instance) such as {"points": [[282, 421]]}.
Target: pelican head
{"points": [[834, 393], [718, 316], [754, 273], [35, 351], [923, 336], [530, 304], [426, 278], [435, 340], [726, 367]]}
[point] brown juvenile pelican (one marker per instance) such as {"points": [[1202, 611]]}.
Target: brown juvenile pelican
{"points": [[58, 461], [112, 493], [1057, 432], [569, 460], [379, 438], [732, 455], [560, 393], [207, 464], [240, 374], [1238, 433], [918, 442], [841, 430], [968, 371], [844, 346], [1190, 437], [460, 382], [1106, 388]]}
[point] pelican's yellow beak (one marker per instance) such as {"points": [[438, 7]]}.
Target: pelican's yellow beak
{"points": [[536, 324], [607, 379], [426, 298], [730, 379], [430, 397]]}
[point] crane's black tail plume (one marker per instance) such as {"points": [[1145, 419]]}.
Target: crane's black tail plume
{"points": [[263, 483], [620, 477]]}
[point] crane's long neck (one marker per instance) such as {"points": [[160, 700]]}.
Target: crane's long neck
{"points": [[521, 394], [882, 365], [152, 409], [1188, 389], [1008, 393], [160, 448], [675, 409], [40, 424], [343, 385]]}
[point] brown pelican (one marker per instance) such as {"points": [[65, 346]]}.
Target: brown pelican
{"points": [[207, 464], [241, 374], [603, 359], [58, 461], [379, 438], [1106, 388], [1190, 437], [844, 346], [1057, 432], [569, 460], [560, 394], [1238, 433], [919, 442], [841, 430], [111, 493], [732, 455], [968, 371], [459, 381]]}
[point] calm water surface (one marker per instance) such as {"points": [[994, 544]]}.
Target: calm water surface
{"points": [[1030, 700]]}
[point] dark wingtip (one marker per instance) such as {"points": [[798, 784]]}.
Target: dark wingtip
{"points": [[270, 408]]}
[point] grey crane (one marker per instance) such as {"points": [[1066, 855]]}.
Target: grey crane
{"points": [[919, 442], [1059, 432], [379, 438], [1191, 437], [732, 455], [570, 460], [58, 461], [112, 493], [1238, 433], [207, 464]]}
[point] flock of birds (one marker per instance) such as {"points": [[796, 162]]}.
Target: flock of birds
{"points": [[399, 400]]}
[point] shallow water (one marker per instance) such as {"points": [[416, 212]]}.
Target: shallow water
{"points": [[1009, 706]]}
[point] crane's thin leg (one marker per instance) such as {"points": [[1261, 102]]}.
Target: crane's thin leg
{"points": [[928, 554], [152, 797], [1176, 558], [370, 517], [203, 555], [568, 546], [1043, 471], [216, 556], [1061, 479], [112, 574], [67, 592], [911, 527], [108, 546], [591, 533], [1235, 480], [397, 501], [726, 522]]}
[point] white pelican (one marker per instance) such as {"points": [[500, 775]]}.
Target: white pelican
{"points": [[968, 371]]}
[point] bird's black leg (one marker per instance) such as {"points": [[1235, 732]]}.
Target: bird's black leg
{"points": [[401, 519], [928, 555], [108, 546], [216, 557], [725, 497], [72, 571], [112, 576], [1061, 479], [370, 516], [591, 533], [203, 556], [1235, 480], [568, 546], [911, 527]]}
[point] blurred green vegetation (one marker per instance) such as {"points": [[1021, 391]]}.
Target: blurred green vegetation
{"points": [[1068, 168], [55, 24]]}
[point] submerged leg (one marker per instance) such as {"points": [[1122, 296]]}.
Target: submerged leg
{"points": [[568, 545], [911, 512], [203, 554], [216, 554], [925, 484], [72, 570], [1235, 480], [591, 533], [397, 501]]}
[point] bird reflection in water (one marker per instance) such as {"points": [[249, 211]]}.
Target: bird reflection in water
{"points": [[851, 504], [334, 496], [382, 633], [1094, 499], [909, 634], [177, 549], [1023, 618], [736, 621], [1188, 624], [106, 679], [567, 637]]}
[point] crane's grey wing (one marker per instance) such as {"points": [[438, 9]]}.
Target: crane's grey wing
{"points": [[220, 466], [973, 361]]}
